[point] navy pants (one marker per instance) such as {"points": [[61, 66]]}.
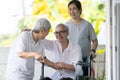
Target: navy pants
{"points": [[85, 68]]}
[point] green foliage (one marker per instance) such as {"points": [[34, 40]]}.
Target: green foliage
{"points": [[93, 11], [101, 6], [7, 39], [30, 21], [21, 24], [57, 11], [27, 22]]}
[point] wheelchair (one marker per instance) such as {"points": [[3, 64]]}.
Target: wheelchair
{"points": [[88, 64]]}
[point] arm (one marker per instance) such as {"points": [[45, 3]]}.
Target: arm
{"points": [[68, 67], [59, 65], [22, 42], [65, 66], [30, 55], [49, 63], [95, 44], [76, 55], [93, 38], [94, 47]]}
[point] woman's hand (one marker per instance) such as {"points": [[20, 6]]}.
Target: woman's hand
{"points": [[38, 57]]}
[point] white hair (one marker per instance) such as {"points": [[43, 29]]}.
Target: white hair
{"points": [[65, 26], [42, 23]]}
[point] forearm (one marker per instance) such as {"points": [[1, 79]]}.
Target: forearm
{"points": [[36, 55], [94, 47], [69, 67], [26, 54], [49, 63], [95, 44]]}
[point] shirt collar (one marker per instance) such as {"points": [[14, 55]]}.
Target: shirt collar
{"points": [[68, 47]]}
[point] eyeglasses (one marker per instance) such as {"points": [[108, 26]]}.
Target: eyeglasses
{"points": [[60, 32]]}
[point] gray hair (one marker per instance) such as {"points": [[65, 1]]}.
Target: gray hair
{"points": [[65, 26], [42, 23]]}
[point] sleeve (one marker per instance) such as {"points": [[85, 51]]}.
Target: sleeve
{"points": [[49, 44], [21, 42], [92, 33], [77, 54], [77, 57]]}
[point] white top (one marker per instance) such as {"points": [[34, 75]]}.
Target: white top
{"points": [[71, 55], [22, 68], [82, 34]]}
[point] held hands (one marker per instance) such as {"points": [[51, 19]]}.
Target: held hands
{"points": [[59, 65]]}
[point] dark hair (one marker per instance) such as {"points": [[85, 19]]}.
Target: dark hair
{"points": [[77, 3]]}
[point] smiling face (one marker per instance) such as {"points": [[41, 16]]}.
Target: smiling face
{"points": [[74, 11], [61, 33]]}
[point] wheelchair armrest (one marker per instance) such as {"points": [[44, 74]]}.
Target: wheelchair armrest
{"points": [[83, 63]]}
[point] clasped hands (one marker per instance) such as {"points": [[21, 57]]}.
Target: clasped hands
{"points": [[59, 65], [56, 65]]}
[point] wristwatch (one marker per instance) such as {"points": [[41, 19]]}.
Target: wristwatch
{"points": [[44, 57], [93, 50]]}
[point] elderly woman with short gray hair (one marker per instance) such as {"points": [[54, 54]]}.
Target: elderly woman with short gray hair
{"points": [[26, 48]]}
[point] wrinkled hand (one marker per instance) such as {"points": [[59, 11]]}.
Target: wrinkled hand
{"points": [[39, 57], [59, 65]]}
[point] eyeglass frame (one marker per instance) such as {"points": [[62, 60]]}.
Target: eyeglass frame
{"points": [[60, 32]]}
